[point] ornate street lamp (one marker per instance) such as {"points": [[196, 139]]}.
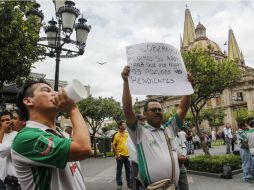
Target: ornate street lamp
{"points": [[59, 36]]}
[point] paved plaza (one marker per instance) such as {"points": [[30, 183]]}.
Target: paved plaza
{"points": [[100, 175]]}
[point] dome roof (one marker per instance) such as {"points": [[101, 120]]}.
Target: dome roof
{"points": [[204, 44], [200, 27]]}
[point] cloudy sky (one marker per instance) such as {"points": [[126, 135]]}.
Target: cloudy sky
{"points": [[116, 24]]}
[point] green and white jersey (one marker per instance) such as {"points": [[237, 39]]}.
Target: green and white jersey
{"points": [[40, 160], [154, 159], [250, 137]]}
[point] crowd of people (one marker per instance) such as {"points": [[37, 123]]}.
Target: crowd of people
{"points": [[245, 136], [36, 154]]}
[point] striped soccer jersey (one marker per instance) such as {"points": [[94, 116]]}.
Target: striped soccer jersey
{"points": [[40, 160]]}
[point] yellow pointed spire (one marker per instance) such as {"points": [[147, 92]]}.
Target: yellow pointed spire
{"points": [[189, 34], [181, 42], [234, 52]]}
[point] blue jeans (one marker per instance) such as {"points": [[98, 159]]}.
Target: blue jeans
{"points": [[228, 144], [245, 157], [119, 166], [252, 164]]}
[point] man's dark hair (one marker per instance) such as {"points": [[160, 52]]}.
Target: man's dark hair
{"points": [[120, 124], [251, 123], [5, 112], [147, 102], [20, 114], [241, 125], [27, 91]]}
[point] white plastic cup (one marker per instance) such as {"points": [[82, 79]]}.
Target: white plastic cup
{"points": [[76, 90]]}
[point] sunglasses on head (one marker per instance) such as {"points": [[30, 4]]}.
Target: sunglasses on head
{"points": [[155, 110]]}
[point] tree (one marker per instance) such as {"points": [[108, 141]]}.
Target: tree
{"points": [[108, 128], [211, 77], [18, 37], [215, 117], [95, 111], [243, 115], [168, 114]]}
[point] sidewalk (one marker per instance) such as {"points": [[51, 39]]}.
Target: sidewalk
{"points": [[100, 175]]}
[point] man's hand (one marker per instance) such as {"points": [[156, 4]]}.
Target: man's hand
{"points": [[118, 157], [6, 127], [182, 159], [63, 102], [125, 73]]}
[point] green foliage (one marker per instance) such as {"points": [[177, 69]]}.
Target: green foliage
{"points": [[243, 115], [136, 109], [214, 164], [109, 127], [218, 142], [168, 114], [211, 77], [96, 110], [18, 37], [215, 116], [108, 154]]}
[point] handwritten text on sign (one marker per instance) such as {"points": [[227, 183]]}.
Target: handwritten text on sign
{"points": [[157, 69]]}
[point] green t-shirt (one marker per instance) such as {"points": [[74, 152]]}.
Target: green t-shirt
{"points": [[40, 159]]}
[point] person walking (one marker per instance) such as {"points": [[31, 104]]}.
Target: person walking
{"points": [[233, 141], [250, 140], [156, 143], [43, 157], [196, 142], [244, 152], [190, 146], [213, 134], [228, 137], [182, 159], [120, 149]]}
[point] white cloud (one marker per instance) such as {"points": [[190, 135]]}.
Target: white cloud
{"points": [[116, 24]]}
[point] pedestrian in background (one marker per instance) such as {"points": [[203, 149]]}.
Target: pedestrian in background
{"points": [[244, 152], [228, 137], [8, 176], [213, 134], [250, 140], [233, 141], [18, 120], [196, 142], [182, 159], [190, 146], [120, 149]]}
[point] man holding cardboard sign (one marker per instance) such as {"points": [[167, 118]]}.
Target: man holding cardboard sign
{"points": [[157, 69], [155, 143]]}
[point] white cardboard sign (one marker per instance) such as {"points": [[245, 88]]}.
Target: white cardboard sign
{"points": [[157, 69]]}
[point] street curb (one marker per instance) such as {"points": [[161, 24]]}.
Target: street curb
{"points": [[214, 175]]}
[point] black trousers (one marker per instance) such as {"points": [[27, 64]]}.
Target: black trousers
{"points": [[124, 161], [2, 185]]}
